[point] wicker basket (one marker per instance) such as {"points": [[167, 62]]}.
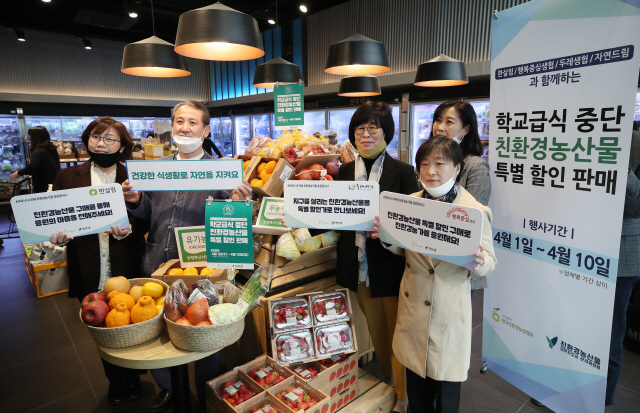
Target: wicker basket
{"points": [[132, 334], [204, 338]]}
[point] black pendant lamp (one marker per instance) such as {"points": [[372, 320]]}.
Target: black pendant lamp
{"points": [[441, 71], [153, 57], [276, 70], [218, 32], [357, 55], [359, 86]]}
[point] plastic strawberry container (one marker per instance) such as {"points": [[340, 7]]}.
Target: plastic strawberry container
{"points": [[306, 371], [291, 314], [293, 347], [235, 392], [296, 399], [266, 376], [333, 360], [330, 308], [333, 339]]}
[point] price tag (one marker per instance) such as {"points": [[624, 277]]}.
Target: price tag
{"points": [[335, 358], [290, 316], [305, 373], [261, 373], [295, 352], [231, 390], [291, 396]]}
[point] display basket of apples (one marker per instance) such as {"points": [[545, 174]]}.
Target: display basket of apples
{"points": [[126, 312]]}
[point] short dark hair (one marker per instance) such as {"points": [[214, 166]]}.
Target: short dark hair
{"points": [[471, 144], [102, 124], [449, 149], [206, 117], [39, 136], [374, 112]]}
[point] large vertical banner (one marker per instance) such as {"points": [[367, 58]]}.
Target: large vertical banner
{"points": [[563, 81]]}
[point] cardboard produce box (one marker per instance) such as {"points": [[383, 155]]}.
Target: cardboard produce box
{"points": [[322, 405], [189, 280], [313, 329], [275, 184], [333, 375], [379, 399], [260, 401], [340, 384], [343, 398], [220, 404]]}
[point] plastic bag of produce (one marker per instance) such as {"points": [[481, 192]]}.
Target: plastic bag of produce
{"points": [[313, 172], [347, 152], [231, 294], [224, 313], [206, 287], [220, 286], [305, 242], [256, 287], [256, 144], [175, 301], [286, 247], [330, 238]]}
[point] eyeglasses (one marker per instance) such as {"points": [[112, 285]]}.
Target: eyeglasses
{"points": [[107, 140], [371, 129]]}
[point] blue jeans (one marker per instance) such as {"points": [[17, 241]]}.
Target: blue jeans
{"points": [[624, 287]]}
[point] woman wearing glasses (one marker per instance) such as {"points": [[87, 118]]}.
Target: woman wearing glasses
{"points": [[364, 266], [92, 259]]}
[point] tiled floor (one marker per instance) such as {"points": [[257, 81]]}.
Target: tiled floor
{"points": [[49, 363]]}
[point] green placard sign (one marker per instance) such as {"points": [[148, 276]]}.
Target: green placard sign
{"points": [[288, 101], [229, 237], [271, 212], [192, 247]]}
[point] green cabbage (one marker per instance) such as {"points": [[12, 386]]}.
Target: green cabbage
{"points": [[286, 247], [305, 242], [330, 238], [224, 313]]}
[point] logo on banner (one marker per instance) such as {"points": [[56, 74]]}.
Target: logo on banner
{"points": [[495, 315], [288, 89], [227, 210], [552, 342], [458, 214], [93, 192]]}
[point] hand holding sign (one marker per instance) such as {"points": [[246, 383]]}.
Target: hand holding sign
{"points": [[129, 195]]}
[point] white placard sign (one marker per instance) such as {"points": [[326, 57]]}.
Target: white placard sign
{"points": [[338, 205], [185, 175], [441, 230], [77, 212]]}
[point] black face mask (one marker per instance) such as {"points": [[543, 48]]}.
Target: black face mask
{"points": [[104, 160]]}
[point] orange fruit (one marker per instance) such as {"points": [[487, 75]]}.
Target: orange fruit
{"points": [[190, 271], [261, 167], [175, 271], [256, 182], [116, 297], [271, 165], [119, 316], [206, 271], [144, 310]]}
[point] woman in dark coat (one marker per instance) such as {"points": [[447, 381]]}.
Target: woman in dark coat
{"points": [[45, 161], [92, 259], [364, 266]]}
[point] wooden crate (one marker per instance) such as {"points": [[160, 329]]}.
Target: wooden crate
{"points": [[189, 280]]}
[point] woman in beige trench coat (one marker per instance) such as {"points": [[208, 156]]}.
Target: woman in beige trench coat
{"points": [[433, 329]]}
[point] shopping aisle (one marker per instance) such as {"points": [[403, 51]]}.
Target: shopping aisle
{"points": [[48, 362]]}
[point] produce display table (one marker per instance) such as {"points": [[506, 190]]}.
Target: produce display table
{"points": [[158, 353]]}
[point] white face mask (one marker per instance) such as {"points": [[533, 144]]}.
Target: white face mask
{"points": [[188, 144], [441, 190], [459, 140]]}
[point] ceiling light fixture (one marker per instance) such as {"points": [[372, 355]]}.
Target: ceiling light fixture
{"points": [[46, 1], [277, 70], [87, 44], [359, 86], [133, 14], [303, 8], [20, 35], [357, 55], [441, 71], [153, 57], [270, 21], [218, 32]]}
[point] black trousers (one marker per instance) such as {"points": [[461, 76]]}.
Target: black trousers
{"points": [[432, 396], [118, 375]]}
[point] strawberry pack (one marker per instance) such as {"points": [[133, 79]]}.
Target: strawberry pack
{"points": [[333, 360], [267, 408], [305, 371], [266, 377], [291, 314], [235, 393], [293, 347], [296, 398], [330, 308], [335, 338]]}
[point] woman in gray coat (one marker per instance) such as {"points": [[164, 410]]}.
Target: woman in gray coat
{"points": [[457, 120]]}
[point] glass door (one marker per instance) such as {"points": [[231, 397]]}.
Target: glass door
{"points": [[392, 148], [275, 133], [72, 127], [226, 131], [137, 128], [339, 120], [421, 121], [53, 124], [11, 157], [242, 132], [314, 121], [260, 126], [482, 114], [216, 135]]}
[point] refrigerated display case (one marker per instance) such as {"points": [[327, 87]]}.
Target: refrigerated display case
{"points": [[482, 114], [216, 134], [138, 129], [72, 127], [260, 125], [12, 156], [226, 128], [242, 133], [275, 133], [339, 120], [52, 123], [392, 148], [421, 122], [314, 121]]}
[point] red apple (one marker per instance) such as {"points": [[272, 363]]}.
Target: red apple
{"points": [[93, 297], [95, 312]]}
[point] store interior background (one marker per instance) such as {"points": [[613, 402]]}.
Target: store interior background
{"points": [[49, 362]]}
